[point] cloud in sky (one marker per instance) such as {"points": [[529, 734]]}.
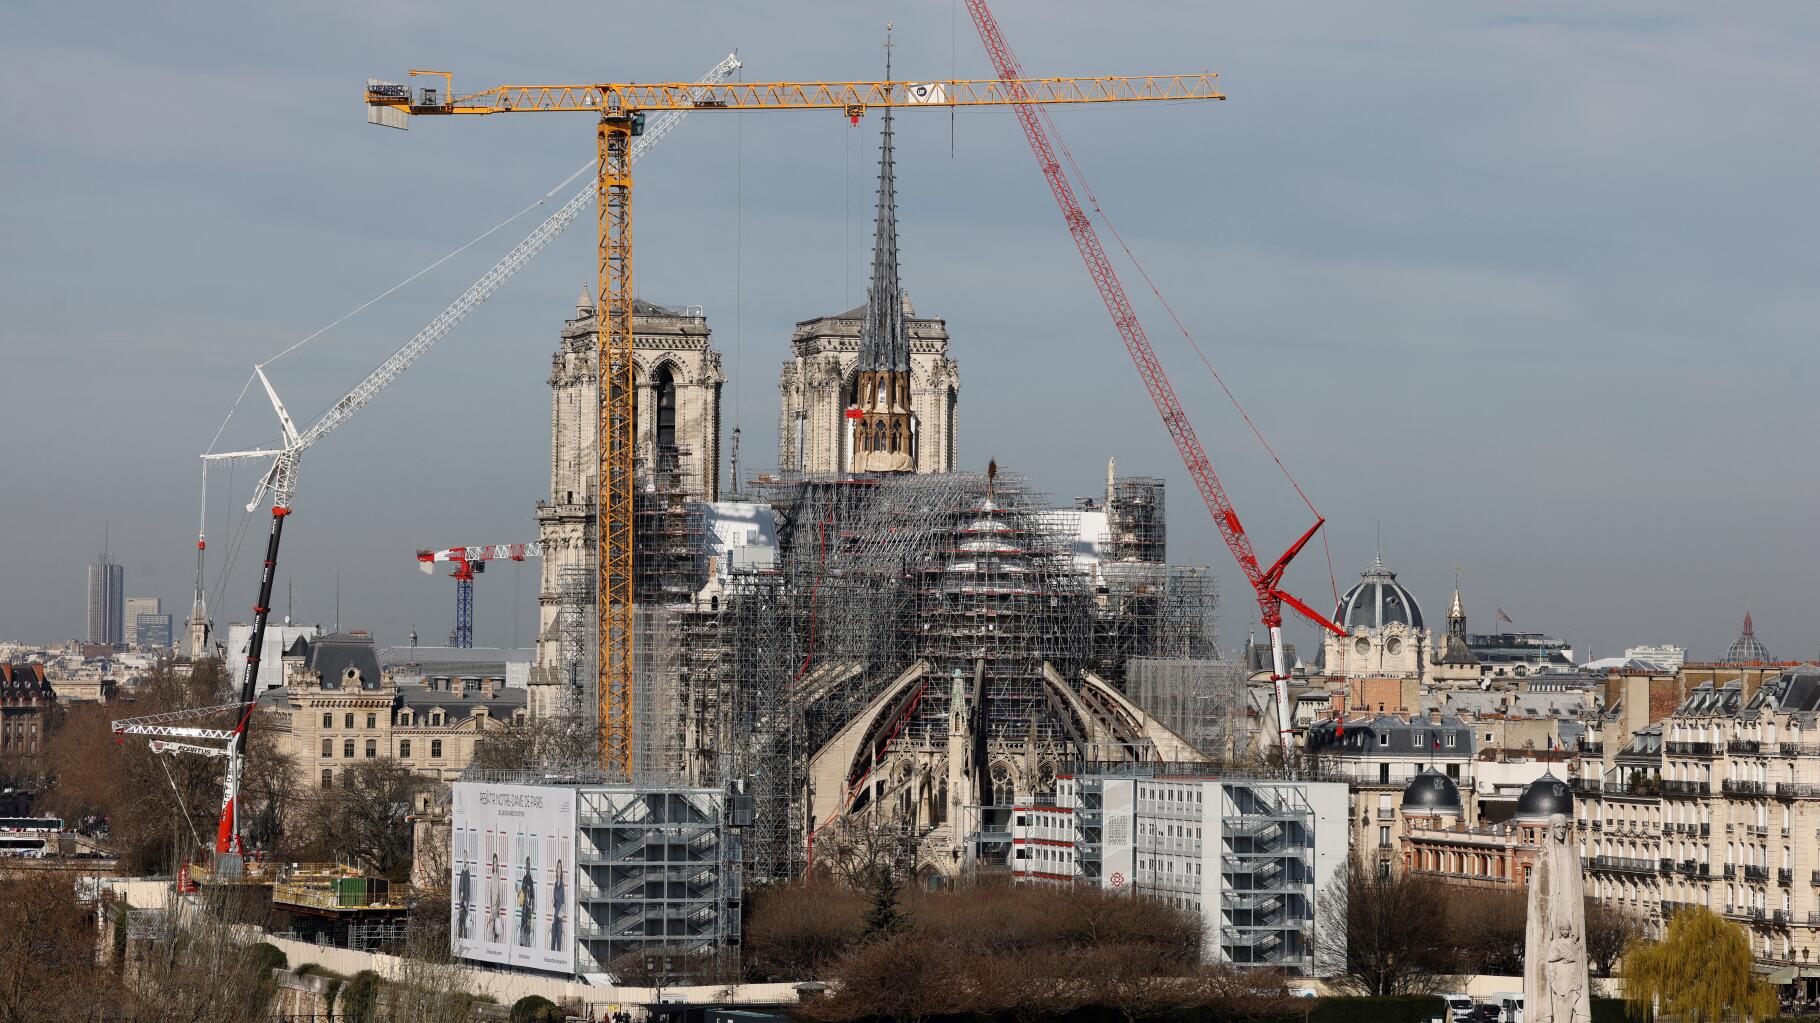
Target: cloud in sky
{"points": [[1534, 289]]}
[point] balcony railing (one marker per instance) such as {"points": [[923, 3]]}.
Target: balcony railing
{"points": [[1785, 876], [1756, 873], [1690, 749], [1797, 790], [1692, 868], [1686, 788], [1592, 749], [1800, 749], [1743, 746], [1666, 865], [1625, 864], [1779, 917], [1744, 912], [1739, 787], [1589, 785], [1757, 830]]}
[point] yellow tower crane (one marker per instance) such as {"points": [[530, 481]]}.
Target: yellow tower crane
{"points": [[620, 109]]}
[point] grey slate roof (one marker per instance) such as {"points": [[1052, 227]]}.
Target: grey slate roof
{"points": [[332, 655], [421, 699], [1365, 737]]}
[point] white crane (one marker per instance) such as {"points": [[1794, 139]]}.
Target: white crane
{"points": [[281, 482]]}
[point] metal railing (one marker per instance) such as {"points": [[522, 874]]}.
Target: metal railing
{"points": [[1626, 864], [1740, 787], [1752, 873], [1686, 788], [1689, 749], [1743, 746], [1797, 790]]}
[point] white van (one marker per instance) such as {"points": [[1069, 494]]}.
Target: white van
{"points": [[1459, 1007], [1511, 1003]]}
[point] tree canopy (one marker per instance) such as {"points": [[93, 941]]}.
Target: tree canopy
{"points": [[1700, 971]]}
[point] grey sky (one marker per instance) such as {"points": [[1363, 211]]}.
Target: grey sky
{"points": [[1532, 285]]}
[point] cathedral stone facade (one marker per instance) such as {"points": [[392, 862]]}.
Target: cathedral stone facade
{"points": [[819, 384], [677, 377]]}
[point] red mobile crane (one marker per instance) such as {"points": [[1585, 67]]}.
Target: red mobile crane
{"points": [[1265, 582]]}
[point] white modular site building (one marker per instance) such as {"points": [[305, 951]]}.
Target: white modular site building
{"points": [[1255, 858], [592, 880]]}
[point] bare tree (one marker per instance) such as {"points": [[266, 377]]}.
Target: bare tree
{"points": [[1385, 927], [1485, 929], [48, 967], [876, 856], [557, 743], [145, 798], [1609, 929], [365, 817]]}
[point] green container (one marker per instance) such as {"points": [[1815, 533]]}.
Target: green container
{"points": [[350, 891]]}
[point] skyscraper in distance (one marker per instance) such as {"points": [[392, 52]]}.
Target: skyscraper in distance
{"points": [[106, 602]]}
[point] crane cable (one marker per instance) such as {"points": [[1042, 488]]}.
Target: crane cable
{"points": [[1094, 202], [585, 168]]}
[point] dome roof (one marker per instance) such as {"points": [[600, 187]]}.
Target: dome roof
{"points": [[1376, 600], [1543, 798], [1432, 793], [1747, 648]]}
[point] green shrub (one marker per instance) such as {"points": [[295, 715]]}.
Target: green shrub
{"points": [[1611, 1010], [535, 1009], [360, 997], [1395, 1009], [269, 957]]}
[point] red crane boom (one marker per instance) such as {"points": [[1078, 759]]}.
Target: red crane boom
{"points": [[1265, 582]]}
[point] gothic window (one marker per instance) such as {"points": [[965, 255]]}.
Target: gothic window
{"points": [[664, 388]]}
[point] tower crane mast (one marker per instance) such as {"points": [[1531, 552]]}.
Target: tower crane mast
{"points": [[620, 109], [1266, 583], [469, 561]]}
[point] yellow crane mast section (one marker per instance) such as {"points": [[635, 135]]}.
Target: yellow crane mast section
{"points": [[843, 96], [619, 107]]}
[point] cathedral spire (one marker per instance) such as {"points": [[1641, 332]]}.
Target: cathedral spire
{"points": [[884, 343], [883, 428]]}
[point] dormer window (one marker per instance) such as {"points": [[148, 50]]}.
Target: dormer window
{"points": [[404, 718]]}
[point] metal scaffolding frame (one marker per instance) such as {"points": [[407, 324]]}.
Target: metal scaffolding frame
{"points": [[742, 676]]}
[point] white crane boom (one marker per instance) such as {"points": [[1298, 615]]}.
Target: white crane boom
{"points": [[281, 480]]}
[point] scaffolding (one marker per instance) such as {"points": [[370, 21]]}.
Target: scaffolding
{"points": [[742, 675], [1203, 701]]}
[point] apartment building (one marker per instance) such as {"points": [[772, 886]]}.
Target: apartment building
{"points": [[1253, 857], [1718, 805], [338, 708]]}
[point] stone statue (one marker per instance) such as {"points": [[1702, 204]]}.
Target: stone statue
{"points": [[1555, 985]]}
